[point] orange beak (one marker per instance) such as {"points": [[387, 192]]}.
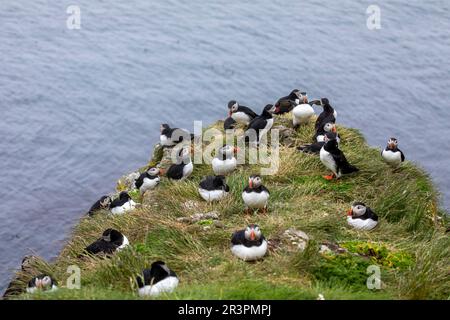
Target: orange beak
{"points": [[333, 129], [350, 212], [252, 235], [250, 183], [236, 149], [305, 100], [162, 172]]}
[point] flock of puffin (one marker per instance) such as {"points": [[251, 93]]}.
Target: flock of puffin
{"points": [[248, 244]]}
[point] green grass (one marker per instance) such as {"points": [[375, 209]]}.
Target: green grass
{"points": [[409, 245]]}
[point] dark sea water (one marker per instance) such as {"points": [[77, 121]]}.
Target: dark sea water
{"points": [[81, 107]]}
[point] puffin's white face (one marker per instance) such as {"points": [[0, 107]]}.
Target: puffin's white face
{"points": [[46, 282], [252, 233], [392, 143], [254, 182], [226, 150], [329, 127], [358, 210], [153, 171], [234, 107]]}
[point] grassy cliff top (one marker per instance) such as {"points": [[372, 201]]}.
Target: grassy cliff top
{"points": [[409, 244]]}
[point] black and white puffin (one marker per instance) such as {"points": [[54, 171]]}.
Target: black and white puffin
{"points": [[101, 204], [327, 127], [316, 146], [302, 112], [249, 244], [255, 195], [240, 114], [229, 124], [392, 154], [361, 217], [183, 168], [42, 283], [148, 180], [286, 104], [327, 115], [110, 242], [262, 124], [122, 204], [225, 161], [334, 159], [172, 136], [213, 188], [158, 279]]}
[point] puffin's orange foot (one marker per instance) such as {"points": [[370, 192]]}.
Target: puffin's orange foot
{"points": [[329, 177]]}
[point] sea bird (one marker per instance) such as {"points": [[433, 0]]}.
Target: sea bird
{"points": [[249, 244], [255, 195], [361, 217], [158, 279], [334, 159]]}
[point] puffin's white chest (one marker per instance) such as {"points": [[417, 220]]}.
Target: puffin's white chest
{"points": [[393, 158], [241, 117], [213, 195], [167, 285], [360, 224], [222, 167], [187, 170], [127, 206], [302, 113], [255, 199], [250, 253], [125, 243], [327, 160], [149, 184]]}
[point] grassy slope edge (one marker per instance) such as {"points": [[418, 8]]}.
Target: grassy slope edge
{"points": [[410, 243]]}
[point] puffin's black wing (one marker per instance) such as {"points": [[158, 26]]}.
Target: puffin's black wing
{"points": [[100, 246], [175, 171], [238, 237], [140, 181], [401, 153], [247, 111], [96, 206], [207, 183], [284, 105], [341, 162], [324, 118], [263, 188], [311, 148], [258, 123], [372, 215]]}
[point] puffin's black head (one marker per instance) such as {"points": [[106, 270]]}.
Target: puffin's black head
{"points": [[27, 262], [219, 181], [105, 201], [112, 235], [159, 267], [324, 101], [270, 109], [233, 106], [153, 171], [300, 95], [252, 232], [254, 182], [229, 123], [164, 128], [124, 196], [357, 209], [392, 143], [329, 136]]}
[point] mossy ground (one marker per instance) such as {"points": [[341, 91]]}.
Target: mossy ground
{"points": [[409, 244]]}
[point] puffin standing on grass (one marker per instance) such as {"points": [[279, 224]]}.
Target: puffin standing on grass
{"points": [[327, 115], [172, 136], [334, 159], [255, 195], [261, 124], [158, 279], [148, 180], [110, 242], [183, 168], [42, 283], [225, 161], [213, 188], [122, 204], [361, 217], [249, 244], [240, 114], [392, 155], [103, 203], [286, 104]]}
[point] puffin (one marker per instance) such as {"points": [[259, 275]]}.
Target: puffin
{"points": [[286, 104], [103, 203], [122, 204], [249, 244], [302, 113], [183, 168], [261, 124], [327, 115], [255, 195], [225, 161], [240, 114], [361, 217], [110, 242], [229, 124], [158, 279], [334, 159], [172, 136], [43, 283], [392, 155], [327, 127], [315, 147], [148, 180], [213, 188]]}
